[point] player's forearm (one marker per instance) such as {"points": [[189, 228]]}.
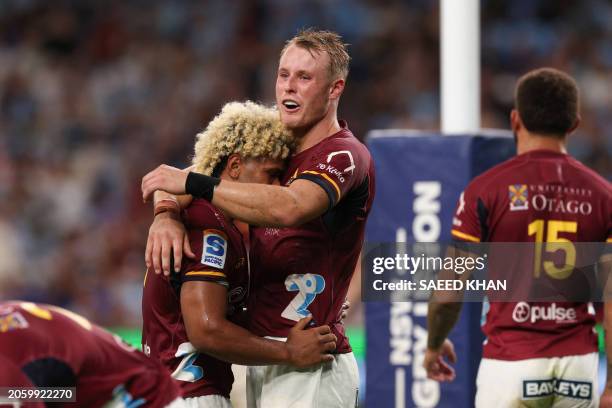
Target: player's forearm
{"points": [[183, 200], [234, 344], [259, 204], [441, 318]]}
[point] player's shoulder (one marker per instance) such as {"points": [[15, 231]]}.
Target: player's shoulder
{"points": [[344, 141], [494, 176], [11, 316], [344, 152], [590, 177], [202, 214]]}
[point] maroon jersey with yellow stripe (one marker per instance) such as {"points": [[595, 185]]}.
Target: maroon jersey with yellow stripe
{"points": [[221, 258], [307, 269], [46, 346], [537, 196]]}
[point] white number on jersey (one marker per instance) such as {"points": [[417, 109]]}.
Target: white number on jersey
{"points": [[308, 286], [186, 370]]}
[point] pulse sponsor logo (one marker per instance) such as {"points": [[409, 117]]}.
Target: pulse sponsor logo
{"points": [[554, 386], [214, 249], [524, 312]]}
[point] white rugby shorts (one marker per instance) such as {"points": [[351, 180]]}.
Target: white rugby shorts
{"points": [[556, 382], [208, 401], [329, 385]]}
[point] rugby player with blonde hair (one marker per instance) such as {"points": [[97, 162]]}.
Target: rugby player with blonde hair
{"points": [[304, 265], [191, 320]]}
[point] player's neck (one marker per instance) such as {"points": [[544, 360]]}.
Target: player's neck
{"points": [[533, 141], [321, 130]]}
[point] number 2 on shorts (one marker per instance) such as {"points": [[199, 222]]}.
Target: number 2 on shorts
{"points": [[308, 286]]}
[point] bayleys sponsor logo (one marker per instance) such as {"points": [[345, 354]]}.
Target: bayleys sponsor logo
{"points": [[214, 249], [554, 386], [524, 312]]}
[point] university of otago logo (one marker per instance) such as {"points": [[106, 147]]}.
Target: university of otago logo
{"points": [[518, 197]]}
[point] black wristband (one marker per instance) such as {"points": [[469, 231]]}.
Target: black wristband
{"points": [[201, 186]]}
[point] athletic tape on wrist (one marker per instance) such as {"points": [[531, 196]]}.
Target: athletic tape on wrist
{"points": [[201, 186]]}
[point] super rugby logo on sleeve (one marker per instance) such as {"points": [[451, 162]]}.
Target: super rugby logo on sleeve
{"points": [[214, 249]]}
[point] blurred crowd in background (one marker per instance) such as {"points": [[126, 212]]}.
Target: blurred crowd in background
{"points": [[93, 94]]}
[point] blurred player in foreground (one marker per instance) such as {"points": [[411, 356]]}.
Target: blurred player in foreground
{"points": [[47, 346], [544, 359], [191, 320], [303, 262]]}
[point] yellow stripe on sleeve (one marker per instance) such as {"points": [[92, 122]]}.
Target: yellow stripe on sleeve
{"points": [[326, 177], [609, 239], [206, 273], [465, 236]]}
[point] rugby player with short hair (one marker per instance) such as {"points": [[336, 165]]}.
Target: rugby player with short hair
{"points": [[191, 321], [521, 354], [311, 227], [47, 346]]}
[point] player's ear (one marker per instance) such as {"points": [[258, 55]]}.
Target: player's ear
{"points": [[515, 121], [336, 89], [576, 124], [234, 166]]}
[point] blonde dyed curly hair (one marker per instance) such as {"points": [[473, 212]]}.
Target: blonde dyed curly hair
{"points": [[247, 128]]}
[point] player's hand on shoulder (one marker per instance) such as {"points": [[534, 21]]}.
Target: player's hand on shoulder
{"points": [[166, 178], [310, 346], [167, 238], [435, 362]]}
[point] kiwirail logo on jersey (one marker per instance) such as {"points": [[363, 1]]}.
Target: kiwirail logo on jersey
{"points": [[503, 271]]}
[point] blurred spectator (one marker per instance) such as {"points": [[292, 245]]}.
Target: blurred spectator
{"points": [[95, 93]]}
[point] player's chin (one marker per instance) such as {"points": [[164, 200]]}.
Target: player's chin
{"points": [[293, 125]]}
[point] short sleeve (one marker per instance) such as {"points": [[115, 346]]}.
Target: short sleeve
{"points": [[467, 225], [337, 169], [210, 247]]}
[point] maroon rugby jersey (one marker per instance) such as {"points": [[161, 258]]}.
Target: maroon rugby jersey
{"points": [[549, 197], [56, 348], [12, 376], [221, 258], [309, 268]]}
